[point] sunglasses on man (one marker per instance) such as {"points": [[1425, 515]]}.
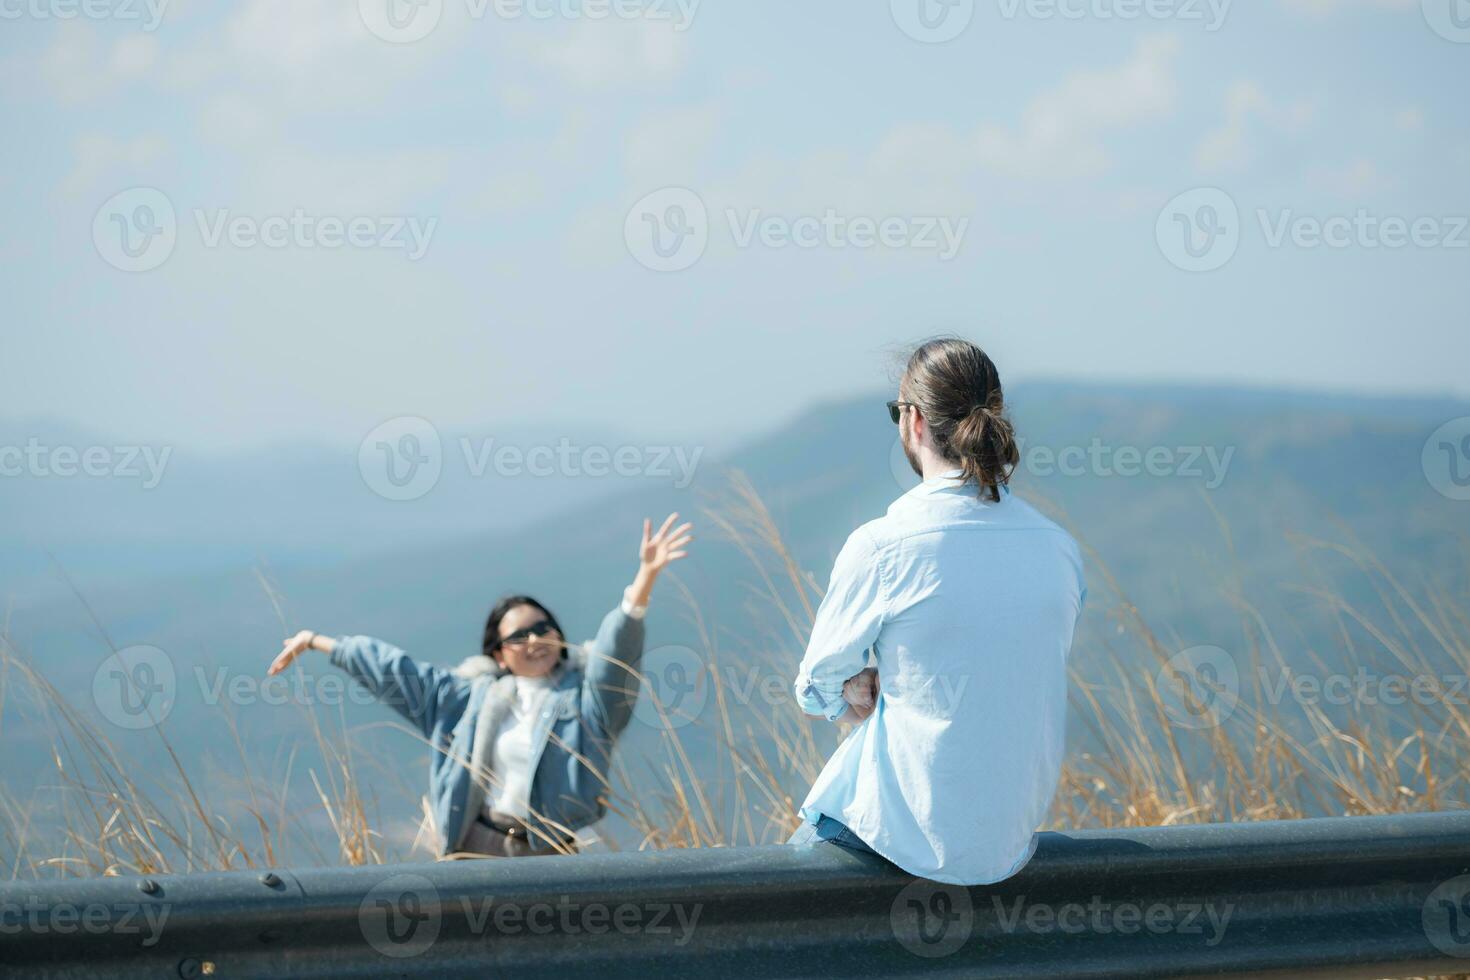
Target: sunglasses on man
{"points": [[538, 628], [895, 410]]}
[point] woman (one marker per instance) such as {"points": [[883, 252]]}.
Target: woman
{"points": [[522, 731]]}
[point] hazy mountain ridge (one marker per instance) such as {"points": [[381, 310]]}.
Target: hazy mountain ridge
{"points": [[1299, 464], [1296, 461]]}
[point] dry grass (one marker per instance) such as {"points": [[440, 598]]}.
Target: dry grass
{"points": [[1271, 759]]}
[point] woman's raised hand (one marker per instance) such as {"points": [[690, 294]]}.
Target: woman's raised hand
{"points": [[657, 550], [294, 646]]}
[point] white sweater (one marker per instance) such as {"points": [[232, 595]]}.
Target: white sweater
{"points": [[510, 790]]}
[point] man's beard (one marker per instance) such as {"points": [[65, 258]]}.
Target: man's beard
{"points": [[903, 439]]}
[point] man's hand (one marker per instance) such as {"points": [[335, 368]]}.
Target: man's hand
{"points": [[861, 692]]}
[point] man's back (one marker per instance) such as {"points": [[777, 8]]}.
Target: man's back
{"points": [[970, 606]]}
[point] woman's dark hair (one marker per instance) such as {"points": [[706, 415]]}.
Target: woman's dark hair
{"points": [[491, 642], [957, 389]]}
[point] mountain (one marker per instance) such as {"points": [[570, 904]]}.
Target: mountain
{"points": [[147, 509], [1190, 497]]}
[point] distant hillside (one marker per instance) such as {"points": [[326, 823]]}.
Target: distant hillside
{"points": [[1234, 475], [151, 510]]}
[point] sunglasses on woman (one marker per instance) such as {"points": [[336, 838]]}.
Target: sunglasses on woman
{"points": [[539, 628], [895, 410]]}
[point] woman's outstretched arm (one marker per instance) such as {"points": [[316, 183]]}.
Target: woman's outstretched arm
{"points": [[422, 693]]}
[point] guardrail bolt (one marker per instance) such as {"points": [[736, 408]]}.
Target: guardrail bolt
{"points": [[148, 886], [270, 880]]}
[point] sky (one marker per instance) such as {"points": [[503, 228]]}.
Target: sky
{"points": [[237, 224]]}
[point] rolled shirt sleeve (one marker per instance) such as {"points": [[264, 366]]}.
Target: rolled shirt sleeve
{"points": [[846, 625]]}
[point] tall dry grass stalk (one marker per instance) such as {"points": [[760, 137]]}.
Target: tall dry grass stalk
{"points": [[105, 817], [732, 775]]}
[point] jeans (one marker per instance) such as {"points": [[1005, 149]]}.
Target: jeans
{"points": [[831, 831]]}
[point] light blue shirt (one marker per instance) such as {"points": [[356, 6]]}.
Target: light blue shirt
{"points": [[968, 607]]}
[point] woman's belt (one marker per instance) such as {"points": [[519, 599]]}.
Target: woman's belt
{"points": [[538, 838]]}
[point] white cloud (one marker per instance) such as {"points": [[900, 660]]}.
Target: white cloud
{"points": [[1230, 146], [383, 182], [318, 56], [134, 55], [607, 53], [1359, 177], [667, 147], [239, 121], [298, 36], [506, 190], [80, 66], [1410, 119], [97, 156], [914, 168], [1062, 131]]}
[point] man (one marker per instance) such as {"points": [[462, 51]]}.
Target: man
{"points": [[967, 599]]}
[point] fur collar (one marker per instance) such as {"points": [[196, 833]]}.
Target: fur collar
{"points": [[479, 665]]}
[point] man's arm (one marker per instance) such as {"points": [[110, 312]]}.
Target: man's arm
{"points": [[846, 626]]}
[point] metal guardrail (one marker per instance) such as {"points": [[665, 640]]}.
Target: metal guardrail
{"points": [[1349, 897]]}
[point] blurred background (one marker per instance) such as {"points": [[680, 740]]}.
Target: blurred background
{"points": [[355, 316]]}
